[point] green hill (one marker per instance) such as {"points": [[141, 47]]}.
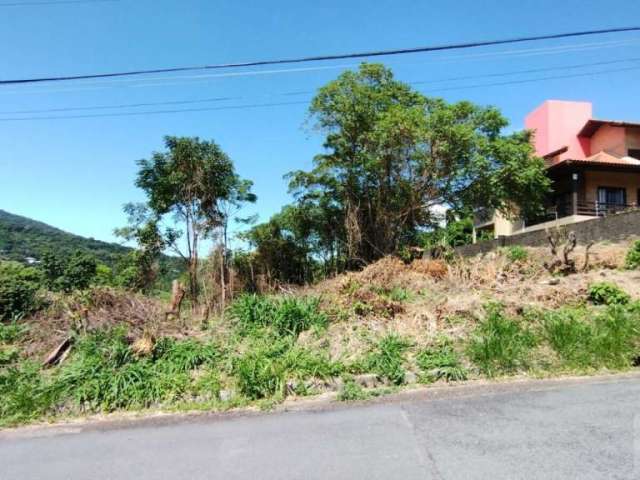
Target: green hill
{"points": [[22, 238]]}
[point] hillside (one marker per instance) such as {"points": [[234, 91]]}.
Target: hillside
{"points": [[22, 237]]}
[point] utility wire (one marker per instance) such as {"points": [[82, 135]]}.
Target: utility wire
{"points": [[181, 79], [309, 92], [306, 102], [375, 53]]}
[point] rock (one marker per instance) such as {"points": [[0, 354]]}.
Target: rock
{"points": [[367, 380], [226, 395], [410, 377]]}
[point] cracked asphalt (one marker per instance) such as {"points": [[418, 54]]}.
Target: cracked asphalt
{"points": [[584, 429]]}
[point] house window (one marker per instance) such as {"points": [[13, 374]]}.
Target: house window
{"points": [[635, 153], [611, 199]]}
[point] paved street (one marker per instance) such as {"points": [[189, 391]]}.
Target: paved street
{"points": [[588, 429]]}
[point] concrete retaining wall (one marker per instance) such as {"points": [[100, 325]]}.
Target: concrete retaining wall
{"points": [[613, 228]]}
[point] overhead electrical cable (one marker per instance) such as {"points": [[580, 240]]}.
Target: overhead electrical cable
{"points": [[310, 92], [316, 58], [182, 79], [278, 104]]}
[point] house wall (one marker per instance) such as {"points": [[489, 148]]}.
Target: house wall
{"points": [[556, 124], [610, 140], [628, 180], [617, 227]]}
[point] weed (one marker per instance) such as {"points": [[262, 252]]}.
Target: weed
{"points": [[607, 293], [387, 359], [352, 391], [632, 260], [288, 315], [11, 332], [500, 344], [516, 253], [441, 362], [608, 339]]}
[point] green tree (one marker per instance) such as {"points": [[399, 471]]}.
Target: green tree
{"points": [[393, 156], [190, 180], [18, 289], [141, 267]]}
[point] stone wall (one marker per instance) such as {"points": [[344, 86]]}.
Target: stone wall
{"points": [[612, 228]]}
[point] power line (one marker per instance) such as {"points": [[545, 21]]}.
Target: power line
{"points": [[52, 2], [375, 53], [181, 79], [308, 92], [279, 104]]}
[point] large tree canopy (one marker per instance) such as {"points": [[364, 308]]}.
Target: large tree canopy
{"points": [[392, 155]]}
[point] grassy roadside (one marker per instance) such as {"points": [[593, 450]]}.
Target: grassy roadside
{"points": [[276, 347]]}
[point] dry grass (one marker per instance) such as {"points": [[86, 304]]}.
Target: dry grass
{"points": [[448, 298]]}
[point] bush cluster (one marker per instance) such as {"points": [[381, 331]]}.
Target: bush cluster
{"points": [[19, 287], [607, 293]]}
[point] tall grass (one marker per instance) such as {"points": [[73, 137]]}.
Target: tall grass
{"points": [[387, 358], [441, 362], [500, 344], [609, 339], [285, 315]]}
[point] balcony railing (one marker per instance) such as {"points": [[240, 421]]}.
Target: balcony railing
{"points": [[590, 209]]}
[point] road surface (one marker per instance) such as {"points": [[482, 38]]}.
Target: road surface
{"points": [[586, 429]]}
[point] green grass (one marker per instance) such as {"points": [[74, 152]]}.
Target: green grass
{"points": [[11, 332], [441, 362], [607, 293], [352, 392], [387, 358], [286, 315], [584, 340], [500, 345], [516, 253], [632, 259]]}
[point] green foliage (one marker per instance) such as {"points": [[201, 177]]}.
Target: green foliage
{"points": [[21, 391], [352, 391], [454, 234], [12, 332], [104, 374], [441, 362], [195, 181], [500, 344], [262, 370], [607, 293], [76, 272], [286, 315], [19, 286], [582, 340], [632, 260], [391, 152], [387, 359], [516, 253]]}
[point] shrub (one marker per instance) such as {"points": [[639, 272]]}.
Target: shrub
{"points": [[516, 253], [607, 293], [441, 362], [18, 290], [632, 260], [352, 391], [500, 344], [387, 359], [287, 316]]}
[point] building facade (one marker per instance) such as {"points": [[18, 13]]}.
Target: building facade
{"points": [[594, 167]]}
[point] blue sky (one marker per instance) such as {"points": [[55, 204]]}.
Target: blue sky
{"points": [[76, 173]]}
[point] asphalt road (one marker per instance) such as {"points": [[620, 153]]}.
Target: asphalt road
{"points": [[588, 429]]}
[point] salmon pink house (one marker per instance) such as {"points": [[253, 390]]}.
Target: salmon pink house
{"points": [[594, 166]]}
